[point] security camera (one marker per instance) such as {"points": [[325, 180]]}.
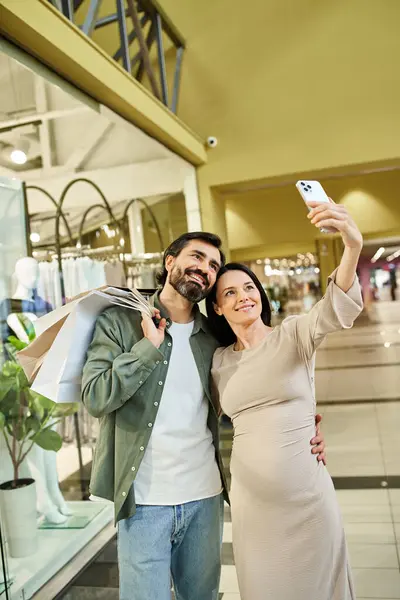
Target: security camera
{"points": [[212, 141]]}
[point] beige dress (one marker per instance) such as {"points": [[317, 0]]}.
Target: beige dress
{"points": [[288, 536]]}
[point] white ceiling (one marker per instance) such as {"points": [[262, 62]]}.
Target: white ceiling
{"points": [[77, 141]]}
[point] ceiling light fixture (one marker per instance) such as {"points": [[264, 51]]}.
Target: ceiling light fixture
{"points": [[19, 154], [393, 256], [378, 254], [34, 237], [18, 157]]}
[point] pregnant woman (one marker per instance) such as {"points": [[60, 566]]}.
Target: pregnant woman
{"points": [[288, 537]]}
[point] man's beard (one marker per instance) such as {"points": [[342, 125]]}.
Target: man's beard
{"points": [[188, 288]]}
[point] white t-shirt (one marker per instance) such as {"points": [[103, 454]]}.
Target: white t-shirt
{"points": [[179, 464]]}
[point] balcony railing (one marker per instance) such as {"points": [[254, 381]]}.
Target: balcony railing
{"points": [[141, 24]]}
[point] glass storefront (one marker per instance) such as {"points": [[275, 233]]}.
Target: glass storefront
{"points": [[118, 215], [292, 283]]}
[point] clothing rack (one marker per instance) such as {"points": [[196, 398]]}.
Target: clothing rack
{"points": [[74, 252], [59, 215], [103, 252]]}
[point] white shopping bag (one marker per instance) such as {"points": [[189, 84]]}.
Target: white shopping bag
{"points": [[60, 375]]}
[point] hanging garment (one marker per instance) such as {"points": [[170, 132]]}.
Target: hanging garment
{"points": [[114, 273]]}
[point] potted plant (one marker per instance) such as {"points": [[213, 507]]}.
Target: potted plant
{"points": [[26, 418]]}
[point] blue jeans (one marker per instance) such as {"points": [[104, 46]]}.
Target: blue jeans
{"points": [[183, 541]]}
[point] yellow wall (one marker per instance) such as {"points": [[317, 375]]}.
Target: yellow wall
{"points": [[290, 85], [286, 86], [272, 222]]}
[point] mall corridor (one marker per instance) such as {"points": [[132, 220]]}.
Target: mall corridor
{"points": [[142, 142], [358, 394]]}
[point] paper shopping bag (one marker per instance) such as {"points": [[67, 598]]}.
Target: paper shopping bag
{"points": [[60, 375], [57, 314], [31, 357], [46, 329]]}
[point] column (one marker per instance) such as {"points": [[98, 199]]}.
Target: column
{"points": [[212, 210], [136, 229], [192, 201]]}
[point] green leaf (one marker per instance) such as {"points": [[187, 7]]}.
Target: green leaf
{"points": [[37, 409], [6, 385], [10, 369], [11, 351], [27, 325], [48, 440], [66, 410], [42, 401], [32, 424], [2, 421], [19, 412], [22, 380], [18, 344]]}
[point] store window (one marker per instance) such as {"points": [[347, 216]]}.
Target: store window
{"points": [[86, 200]]}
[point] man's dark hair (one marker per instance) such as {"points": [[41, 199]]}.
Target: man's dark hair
{"points": [[179, 244]]}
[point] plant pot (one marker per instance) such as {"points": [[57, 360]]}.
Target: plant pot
{"points": [[18, 509]]}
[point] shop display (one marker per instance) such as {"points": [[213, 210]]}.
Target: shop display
{"points": [[80, 273], [38, 273], [24, 301], [27, 420], [26, 306]]}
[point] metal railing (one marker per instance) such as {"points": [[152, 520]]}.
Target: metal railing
{"points": [[141, 24]]}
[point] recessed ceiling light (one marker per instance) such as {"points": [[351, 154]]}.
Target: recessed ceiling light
{"points": [[18, 157], [378, 254]]}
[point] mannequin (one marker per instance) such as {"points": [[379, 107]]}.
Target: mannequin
{"points": [[42, 463], [25, 301]]}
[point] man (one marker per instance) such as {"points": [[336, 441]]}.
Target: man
{"points": [[157, 456]]}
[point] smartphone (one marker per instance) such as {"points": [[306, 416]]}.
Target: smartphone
{"points": [[313, 190]]}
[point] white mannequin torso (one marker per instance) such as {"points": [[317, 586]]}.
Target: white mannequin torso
{"points": [[26, 273]]}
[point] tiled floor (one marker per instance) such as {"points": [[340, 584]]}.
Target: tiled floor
{"points": [[360, 364], [358, 390], [373, 537]]}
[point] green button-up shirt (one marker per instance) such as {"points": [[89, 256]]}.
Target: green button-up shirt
{"points": [[123, 381]]}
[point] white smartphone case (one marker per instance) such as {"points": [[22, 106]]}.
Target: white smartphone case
{"points": [[313, 191]]}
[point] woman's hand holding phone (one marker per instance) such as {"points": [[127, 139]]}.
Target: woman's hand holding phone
{"points": [[335, 217]]}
